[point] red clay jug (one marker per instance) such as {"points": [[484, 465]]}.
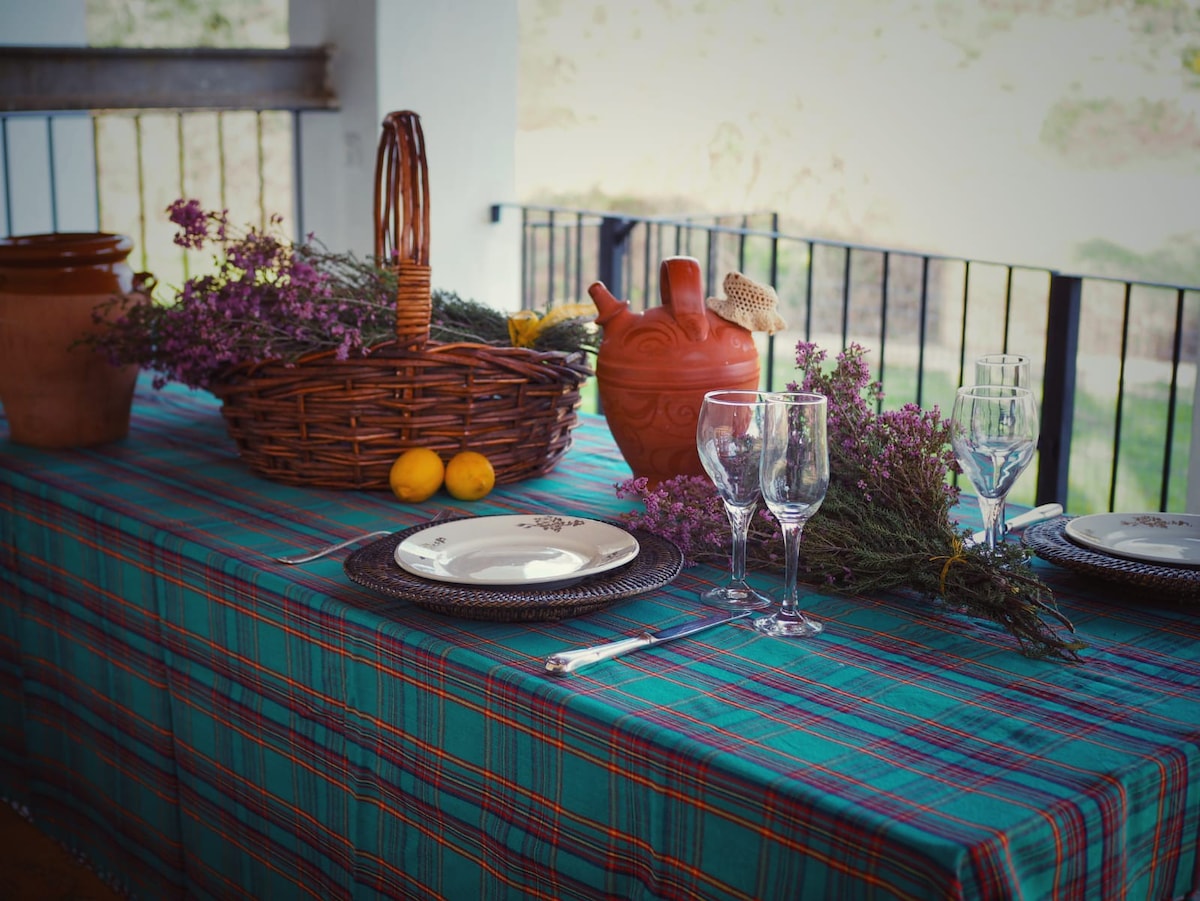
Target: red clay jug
{"points": [[653, 369], [56, 395]]}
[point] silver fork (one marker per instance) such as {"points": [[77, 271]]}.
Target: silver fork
{"points": [[329, 549]]}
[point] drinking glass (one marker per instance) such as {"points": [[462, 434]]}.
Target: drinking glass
{"points": [[795, 477], [729, 439], [995, 432], [1003, 369]]}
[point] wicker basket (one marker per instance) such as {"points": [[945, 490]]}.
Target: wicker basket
{"points": [[329, 423]]}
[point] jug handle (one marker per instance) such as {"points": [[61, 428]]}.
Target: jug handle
{"points": [[682, 294]]}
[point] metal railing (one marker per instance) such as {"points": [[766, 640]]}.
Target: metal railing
{"points": [[1115, 358]]}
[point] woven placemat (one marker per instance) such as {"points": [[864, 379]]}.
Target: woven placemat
{"points": [[374, 566], [1049, 541]]}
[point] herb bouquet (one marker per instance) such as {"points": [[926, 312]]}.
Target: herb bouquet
{"points": [[270, 300], [327, 368], [885, 522]]}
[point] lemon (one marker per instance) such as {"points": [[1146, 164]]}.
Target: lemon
{"points": [[416, 475], [469, 476]]}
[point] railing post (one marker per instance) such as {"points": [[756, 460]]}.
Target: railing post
{"points": [[611, 263], [1058, 387]]}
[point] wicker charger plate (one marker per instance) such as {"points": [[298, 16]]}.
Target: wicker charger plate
{"points": [[1049, 541], [374, 566]]}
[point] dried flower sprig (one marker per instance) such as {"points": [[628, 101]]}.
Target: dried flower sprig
{"points": [[272, 299], [885, 524]]}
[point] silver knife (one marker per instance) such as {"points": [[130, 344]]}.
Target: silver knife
{"points": [[568, 661], [1028, 518]]}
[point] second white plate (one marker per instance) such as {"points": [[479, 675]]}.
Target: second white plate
{"points": [[1172, 538], [515, 550]]}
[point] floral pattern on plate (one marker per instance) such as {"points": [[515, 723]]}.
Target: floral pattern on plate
{"points": [[515, 550]]}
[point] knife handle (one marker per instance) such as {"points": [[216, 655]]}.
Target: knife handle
{"points": [[568, 661], [1036, 515]]}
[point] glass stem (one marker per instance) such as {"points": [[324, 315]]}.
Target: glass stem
{"points": [[789, 604], [992, 510], [739, 525]]}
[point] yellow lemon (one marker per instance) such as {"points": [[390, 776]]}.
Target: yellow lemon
{"points": [[416, 475], [469, 476]]}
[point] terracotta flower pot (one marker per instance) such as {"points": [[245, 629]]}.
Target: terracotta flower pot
{"points": [[54, 394], [653, 369]]}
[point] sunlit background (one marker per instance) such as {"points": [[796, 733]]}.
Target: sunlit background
{"points": [[1060, 133]]}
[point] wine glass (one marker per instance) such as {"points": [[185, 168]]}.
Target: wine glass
{"points": [[795, 477], [729, 439], [1003, 369], [995, 433]]}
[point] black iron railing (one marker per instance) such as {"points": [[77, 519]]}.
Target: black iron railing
{"points": [[1115, 358]]}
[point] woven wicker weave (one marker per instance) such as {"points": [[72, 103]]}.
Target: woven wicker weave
{"points": [[328, 423], [1050, 542]]}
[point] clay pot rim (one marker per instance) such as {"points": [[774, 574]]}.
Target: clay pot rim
{"points": [[59, 248]]}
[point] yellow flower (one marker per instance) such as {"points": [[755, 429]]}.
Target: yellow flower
{"points": [[525, 326]]}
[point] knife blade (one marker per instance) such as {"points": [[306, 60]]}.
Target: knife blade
{"points": [[1022, 520], [568, 661]]}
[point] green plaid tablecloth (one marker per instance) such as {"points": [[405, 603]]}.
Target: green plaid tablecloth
{"points": [[202, 723]]}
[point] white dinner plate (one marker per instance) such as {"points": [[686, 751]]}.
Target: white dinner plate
{"points": [[1156, 537], [515, 550]]}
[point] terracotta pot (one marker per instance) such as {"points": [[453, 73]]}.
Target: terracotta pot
{"points": [[56, 395], [653, 369]]}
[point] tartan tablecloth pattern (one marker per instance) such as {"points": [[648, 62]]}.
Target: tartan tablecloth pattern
{"points": [[203, 723]]}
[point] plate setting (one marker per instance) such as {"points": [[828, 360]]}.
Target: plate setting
{"points": [[655, 563], [1166, 538], [515, 550], [1049, 540]]}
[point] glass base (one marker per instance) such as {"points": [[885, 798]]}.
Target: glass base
{"points": [[735, 596], [793, 625]]}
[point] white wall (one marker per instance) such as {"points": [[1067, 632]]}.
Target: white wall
{"points": [[454, 63]]}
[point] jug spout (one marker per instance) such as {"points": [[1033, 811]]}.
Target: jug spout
{"points": [[608, 306]]}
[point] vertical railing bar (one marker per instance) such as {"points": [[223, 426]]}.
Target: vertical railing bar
{"points": [[221, 189], [808, 292], [773, 275], [579, 256], [962, 332], [8, 201], [1008, 282], [542, 289], [647, 260], [1172, 400], [629, 242], [1063, 316], [846, 297], [53, 186], [566, 257], [532, 237], [525, 258], [741, 246], [551, 255], [709, 262], [922, 327], [298, 177], [883, 315], [613, 263], [140, 169], [181, 162], [95, 120], [1122, 360], [261, 170]]}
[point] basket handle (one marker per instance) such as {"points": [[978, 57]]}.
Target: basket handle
{"points": [[402, 222]]}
